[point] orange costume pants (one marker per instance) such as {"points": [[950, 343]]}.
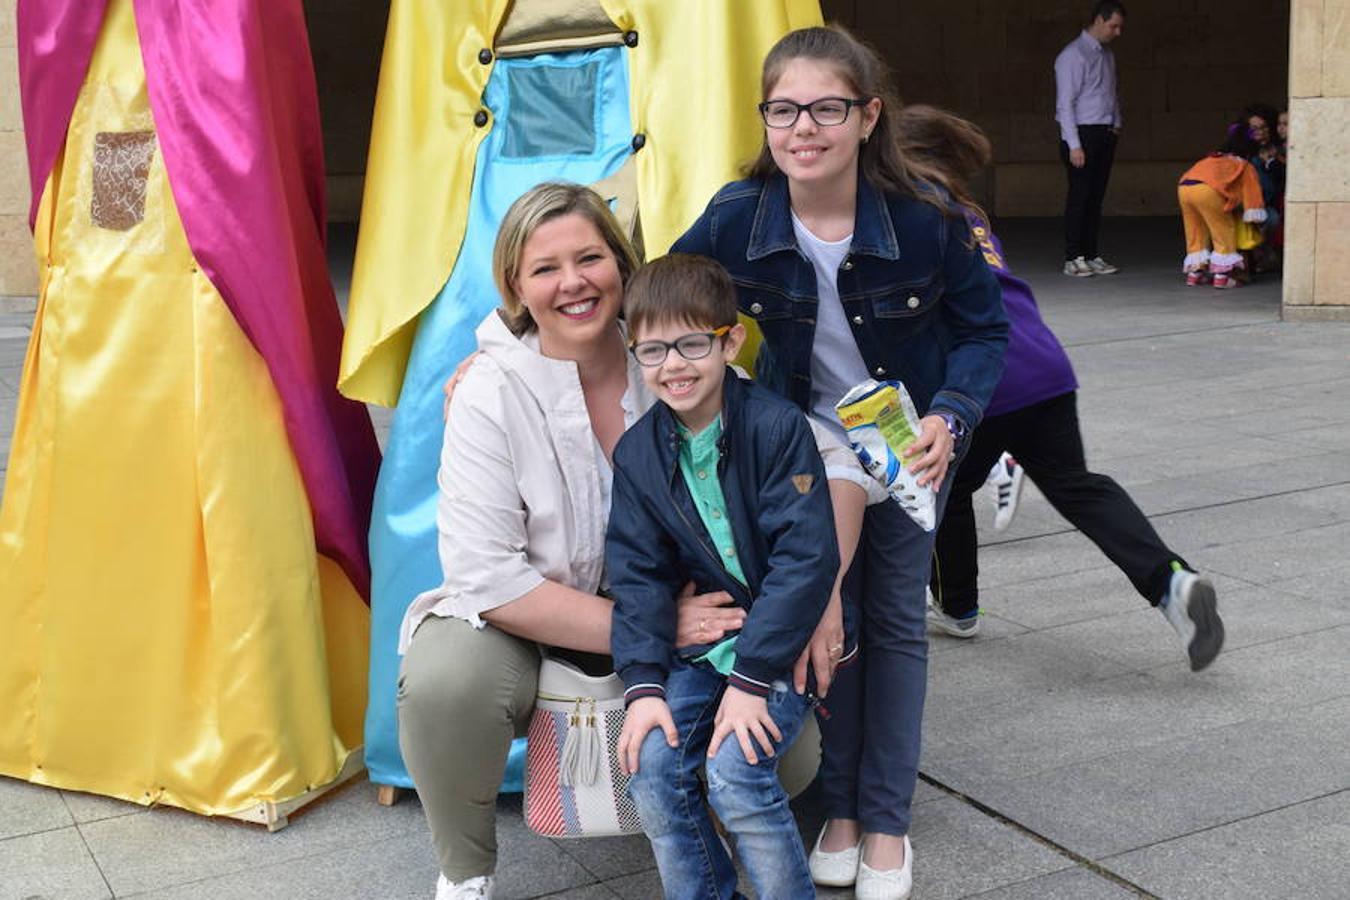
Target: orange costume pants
{"points": [[1211, 231]]}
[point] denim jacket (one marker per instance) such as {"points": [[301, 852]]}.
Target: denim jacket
{"points": [[923, 305], [778, 502]]}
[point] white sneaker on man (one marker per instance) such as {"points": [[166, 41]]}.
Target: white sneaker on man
{"points": [[1078, 268], [1005, 481], [477, 888], [1100, 266]]}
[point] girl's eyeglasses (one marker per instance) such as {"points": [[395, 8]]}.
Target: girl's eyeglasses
{"points": [[695, 345], [825, 111]]}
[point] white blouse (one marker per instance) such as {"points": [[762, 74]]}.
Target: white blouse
{"points": [[524, 487]]}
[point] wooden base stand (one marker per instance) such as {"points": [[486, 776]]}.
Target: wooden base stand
{"points": [[275, 815], [388, 794]]}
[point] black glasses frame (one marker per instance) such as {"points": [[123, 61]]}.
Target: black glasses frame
{"points": [[808, 108], [636, 347]]}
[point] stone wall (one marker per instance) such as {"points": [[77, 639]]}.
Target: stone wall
{"points": [[1317, 203], [1186, 68], [346, 39], [18, 262]]}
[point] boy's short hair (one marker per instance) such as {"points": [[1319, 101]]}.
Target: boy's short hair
{"points": [[680, 287]]}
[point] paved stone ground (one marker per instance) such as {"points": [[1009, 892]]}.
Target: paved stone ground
{"points": [[1069, 753]]}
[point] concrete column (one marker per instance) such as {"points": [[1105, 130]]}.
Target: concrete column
{"points": [[1317, 200], [18, 264]]}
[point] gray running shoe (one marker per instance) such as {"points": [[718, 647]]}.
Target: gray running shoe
{"points": [[957, 628]]}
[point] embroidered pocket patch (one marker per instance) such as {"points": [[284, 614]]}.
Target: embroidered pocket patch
{"points": [[803, 483], [121, 171]]}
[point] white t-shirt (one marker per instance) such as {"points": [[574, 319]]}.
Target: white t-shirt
{"points": [[836, 364]]}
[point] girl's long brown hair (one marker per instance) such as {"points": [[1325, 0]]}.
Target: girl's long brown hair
{"points": [[882, 158], [944, 149]]}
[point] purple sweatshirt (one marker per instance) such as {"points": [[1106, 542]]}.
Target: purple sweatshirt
{"points": [[1036, 367]]}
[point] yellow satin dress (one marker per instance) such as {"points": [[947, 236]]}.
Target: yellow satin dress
{"points": [[168, 633]]}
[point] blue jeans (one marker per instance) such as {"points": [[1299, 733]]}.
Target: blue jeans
{"points": [[748, 799], [871, 739]]}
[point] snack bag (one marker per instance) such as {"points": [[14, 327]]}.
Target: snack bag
{"points": [[881, 423]]}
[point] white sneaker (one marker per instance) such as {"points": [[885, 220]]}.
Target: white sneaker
{"points": [[1191, 606], [1005, 481], [837, 869], [1078, 268], [958, 628], [886, 884], [477, 888], [1100, 266]]}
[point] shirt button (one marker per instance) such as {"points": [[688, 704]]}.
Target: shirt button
{"points": [[878, 371], [702, 474], [730, 552], [912, 302], [485, 56], [756, 308], [857, 320], [848, 265], [717, 514], [480, 118]]}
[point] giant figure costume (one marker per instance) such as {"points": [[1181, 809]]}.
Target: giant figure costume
{"points": [[182, 560], [650, 101]]}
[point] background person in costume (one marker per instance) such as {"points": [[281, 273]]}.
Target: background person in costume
{"points": [[813, 239], [1034, 415], [186, 493], [478, 102], [1209, 193]]}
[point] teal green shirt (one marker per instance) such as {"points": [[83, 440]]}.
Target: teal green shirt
{"points": [[698, 464]]}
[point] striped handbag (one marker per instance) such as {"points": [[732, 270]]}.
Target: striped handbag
{"points": [[574, 786]]}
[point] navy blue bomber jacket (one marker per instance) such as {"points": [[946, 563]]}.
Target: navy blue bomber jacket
{"points": [[778, 503]]}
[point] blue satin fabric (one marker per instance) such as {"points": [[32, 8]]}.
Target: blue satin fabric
{"points": [[404, 559]]}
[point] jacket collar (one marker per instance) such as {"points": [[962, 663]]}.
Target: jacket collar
{"points": [[771, 231], [555, 382], [733, 399]]}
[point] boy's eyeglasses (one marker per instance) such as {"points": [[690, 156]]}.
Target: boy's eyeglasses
{"points": [[825, 111], [695, 345]]}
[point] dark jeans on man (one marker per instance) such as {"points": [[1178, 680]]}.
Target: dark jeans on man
{"points": [[1045, 440], [1087, 189]]}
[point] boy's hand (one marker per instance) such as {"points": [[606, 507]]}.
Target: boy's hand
{"points": [[642, 716], [823, 651], [745, 715]]}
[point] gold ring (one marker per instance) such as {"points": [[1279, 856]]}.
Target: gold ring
{"points": [[836, 649]]}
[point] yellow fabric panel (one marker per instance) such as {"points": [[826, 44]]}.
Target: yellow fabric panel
{"points": [[694, 85], [423, 145], [168, 633]]}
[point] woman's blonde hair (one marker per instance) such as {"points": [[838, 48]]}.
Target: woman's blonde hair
{"points": [[536, 206]]}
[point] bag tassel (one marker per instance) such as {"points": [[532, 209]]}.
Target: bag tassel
{"points": [[591, 753], [567, 764]]}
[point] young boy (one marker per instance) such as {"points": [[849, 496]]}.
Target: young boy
{"points": [[721, 484]]}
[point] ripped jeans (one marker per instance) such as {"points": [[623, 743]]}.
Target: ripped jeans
{"points": [[748, 800]]}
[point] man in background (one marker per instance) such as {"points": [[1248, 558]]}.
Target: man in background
{"points": [[1088, 112]]}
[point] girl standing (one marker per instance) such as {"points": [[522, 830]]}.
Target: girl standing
{"points": [[853, 267]]}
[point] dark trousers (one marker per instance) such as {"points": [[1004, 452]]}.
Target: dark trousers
{"points": [[1087, 189], [1045, 440]]}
